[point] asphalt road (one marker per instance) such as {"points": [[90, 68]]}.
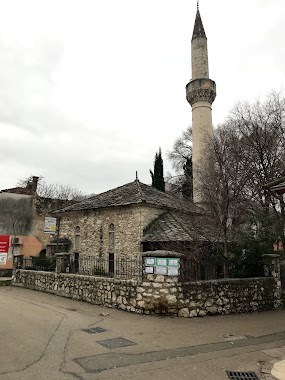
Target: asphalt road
{"points": [[48, 337]]}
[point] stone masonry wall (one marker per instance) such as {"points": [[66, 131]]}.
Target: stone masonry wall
{"points": [[129, 222], [160, 294]]}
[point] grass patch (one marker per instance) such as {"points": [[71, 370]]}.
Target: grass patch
{"points": [[5, 283]]}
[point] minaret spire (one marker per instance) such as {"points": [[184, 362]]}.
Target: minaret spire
{"points": [[199, 30], [200, 92]]}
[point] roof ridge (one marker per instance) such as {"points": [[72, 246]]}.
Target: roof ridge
{"points": [[141, 194]]}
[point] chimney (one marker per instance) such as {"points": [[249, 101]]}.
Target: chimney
{"points": [[34, 183]]}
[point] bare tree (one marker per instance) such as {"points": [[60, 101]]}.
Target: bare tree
{"points": [[181, 151], [181, 159], [16, 217], [54, 191], [261, 130], [223, 183]]}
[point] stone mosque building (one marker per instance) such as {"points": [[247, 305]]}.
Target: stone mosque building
{"points": [[135, 217]]}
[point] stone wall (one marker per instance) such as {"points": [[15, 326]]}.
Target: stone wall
{"points": [[160, 294], [129, 222]]}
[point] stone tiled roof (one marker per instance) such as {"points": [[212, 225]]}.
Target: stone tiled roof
{"points": [[132, 193], [172, 226], [199, 30], [18, 190]]}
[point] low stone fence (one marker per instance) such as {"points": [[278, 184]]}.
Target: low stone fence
{"points": [[159, 294]]}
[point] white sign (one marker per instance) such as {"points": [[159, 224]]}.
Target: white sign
{"points": [[161, 262], [173, 262], [3, 258], [161, 270], [149, 270], [50, 225], [150, 261], [173, 271]]}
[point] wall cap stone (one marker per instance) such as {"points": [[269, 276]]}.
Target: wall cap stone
{"points": [[161, 253]]}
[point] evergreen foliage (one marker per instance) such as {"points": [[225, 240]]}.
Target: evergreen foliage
{"points": [[187, 185], [157, 174]]}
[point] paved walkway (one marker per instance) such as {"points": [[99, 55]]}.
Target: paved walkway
{"points": [[45, 337]]}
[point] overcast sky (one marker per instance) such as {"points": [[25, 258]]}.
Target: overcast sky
{"points": [[89, 89]]}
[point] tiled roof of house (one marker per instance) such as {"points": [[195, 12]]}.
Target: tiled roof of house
{"points": [[132, 193], [173, 226], [18, 190]]}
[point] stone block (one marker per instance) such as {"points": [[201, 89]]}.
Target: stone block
{"points": [[193, 313], [184, 313], [159, 278]]}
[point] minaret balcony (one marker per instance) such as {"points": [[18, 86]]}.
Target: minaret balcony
{"points": [[201, 90]]}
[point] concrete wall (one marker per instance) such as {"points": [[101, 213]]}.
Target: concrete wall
{"points": [[129, 222], [160, 294]]}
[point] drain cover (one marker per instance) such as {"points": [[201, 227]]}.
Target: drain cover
{"points": [[234, 375], [94, 330], [116, 342]]}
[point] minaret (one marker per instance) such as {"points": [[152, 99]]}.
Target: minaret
{"points": [[200, 93]]}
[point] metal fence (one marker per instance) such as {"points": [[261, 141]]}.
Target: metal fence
{"points": [[215, 267], [191, 269], [36, 263], [122, 267], [197, 270]]}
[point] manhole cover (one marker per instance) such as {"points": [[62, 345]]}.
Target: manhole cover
{"points": [[94, 330], [116, 342], [234, 375]]}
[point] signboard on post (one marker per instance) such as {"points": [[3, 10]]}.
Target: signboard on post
{"points": [[50, 225], [162, 265]]}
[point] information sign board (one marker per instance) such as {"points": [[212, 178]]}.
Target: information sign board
{"points": [[172, 271], [149, 270], [150, 261], [161, 261], [173, 262], [161, 270], [50, 225]]}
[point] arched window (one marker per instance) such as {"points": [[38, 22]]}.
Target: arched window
{"points": [[111, 248], [111, 238], [77, 239]]}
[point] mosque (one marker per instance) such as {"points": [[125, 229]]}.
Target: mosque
{"points": [[136, 217]]}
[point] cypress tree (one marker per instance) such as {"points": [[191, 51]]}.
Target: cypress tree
{"points": [[157, 174], [187, 186]]}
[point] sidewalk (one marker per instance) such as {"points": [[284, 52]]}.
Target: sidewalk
{"points": [[60, 339]]}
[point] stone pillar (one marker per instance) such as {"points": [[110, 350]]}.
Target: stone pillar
{"points": [[18, 261], [62, 262], [271, 264], [158, 292]]}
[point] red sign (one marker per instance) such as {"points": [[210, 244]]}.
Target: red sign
{"points": [[4, 243]]}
